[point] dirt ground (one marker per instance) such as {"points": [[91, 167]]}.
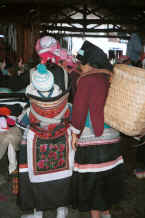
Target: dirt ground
{"points": [[133, 206]]}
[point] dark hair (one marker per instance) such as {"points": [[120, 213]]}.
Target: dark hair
{"points": [[94, 56]]}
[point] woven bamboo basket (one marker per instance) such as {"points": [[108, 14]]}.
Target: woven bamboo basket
{"points": [[125, 105]]}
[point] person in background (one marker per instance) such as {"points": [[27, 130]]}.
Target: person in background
{"points": [[15, 76], [98, 176], [136, 59], [135, 49], [124, 59]]}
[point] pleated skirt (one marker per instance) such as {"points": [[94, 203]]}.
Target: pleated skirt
{"points": [[45, 195], [98, 179]]}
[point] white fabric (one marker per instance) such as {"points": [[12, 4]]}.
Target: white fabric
{"points": [[65, 79], [62, 212], [13, 117], [47, 41], [42, 82], [97, 168], [3, 124], [88, 137], [12, 158], [75, 130], [9, 102], [32, 91], [36, 214]]}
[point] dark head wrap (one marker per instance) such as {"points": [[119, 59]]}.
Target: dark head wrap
{"points": [[94, 56]]}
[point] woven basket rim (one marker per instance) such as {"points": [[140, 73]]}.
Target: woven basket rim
{"points": [[129, 72], [129, 68]]}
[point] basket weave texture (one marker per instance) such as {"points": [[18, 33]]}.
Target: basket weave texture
{"points": [[125, 105]]}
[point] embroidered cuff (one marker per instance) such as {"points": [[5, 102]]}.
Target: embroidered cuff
{"points": [[74, 130]]}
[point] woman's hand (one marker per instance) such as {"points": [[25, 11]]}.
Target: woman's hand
{"points": [[74, 141]]}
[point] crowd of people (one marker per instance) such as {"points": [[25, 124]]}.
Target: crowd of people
{"points": [[68, 155]]}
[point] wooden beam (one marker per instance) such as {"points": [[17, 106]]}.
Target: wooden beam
{"points": [[117, 21], [76, 29], [79, 35]]}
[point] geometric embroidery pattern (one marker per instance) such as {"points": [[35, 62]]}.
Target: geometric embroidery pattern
{"points": [[50, 155]]}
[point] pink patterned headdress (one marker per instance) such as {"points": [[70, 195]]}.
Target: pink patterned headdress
{"points": [[49, 48]]}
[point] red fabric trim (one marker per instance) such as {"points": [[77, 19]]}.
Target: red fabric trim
{"points": [[47, 131], [23, 166], [49, 112]]}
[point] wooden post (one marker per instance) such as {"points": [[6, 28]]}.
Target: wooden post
{"points": [[25, 41]]}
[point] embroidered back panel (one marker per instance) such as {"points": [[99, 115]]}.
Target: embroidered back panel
{"points": [[50, 155]]}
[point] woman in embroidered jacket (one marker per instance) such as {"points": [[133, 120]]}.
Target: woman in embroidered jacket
{"points": [[99, 168], [46, 156]]}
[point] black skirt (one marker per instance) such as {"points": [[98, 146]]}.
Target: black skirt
{"points": [[98, 190], [45, 195]]}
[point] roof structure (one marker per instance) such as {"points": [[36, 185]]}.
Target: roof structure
{"points": [[111, 18]]}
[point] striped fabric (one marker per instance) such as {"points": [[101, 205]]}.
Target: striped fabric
{"points": [[108, 142], [88, 137], [86, 168]]}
